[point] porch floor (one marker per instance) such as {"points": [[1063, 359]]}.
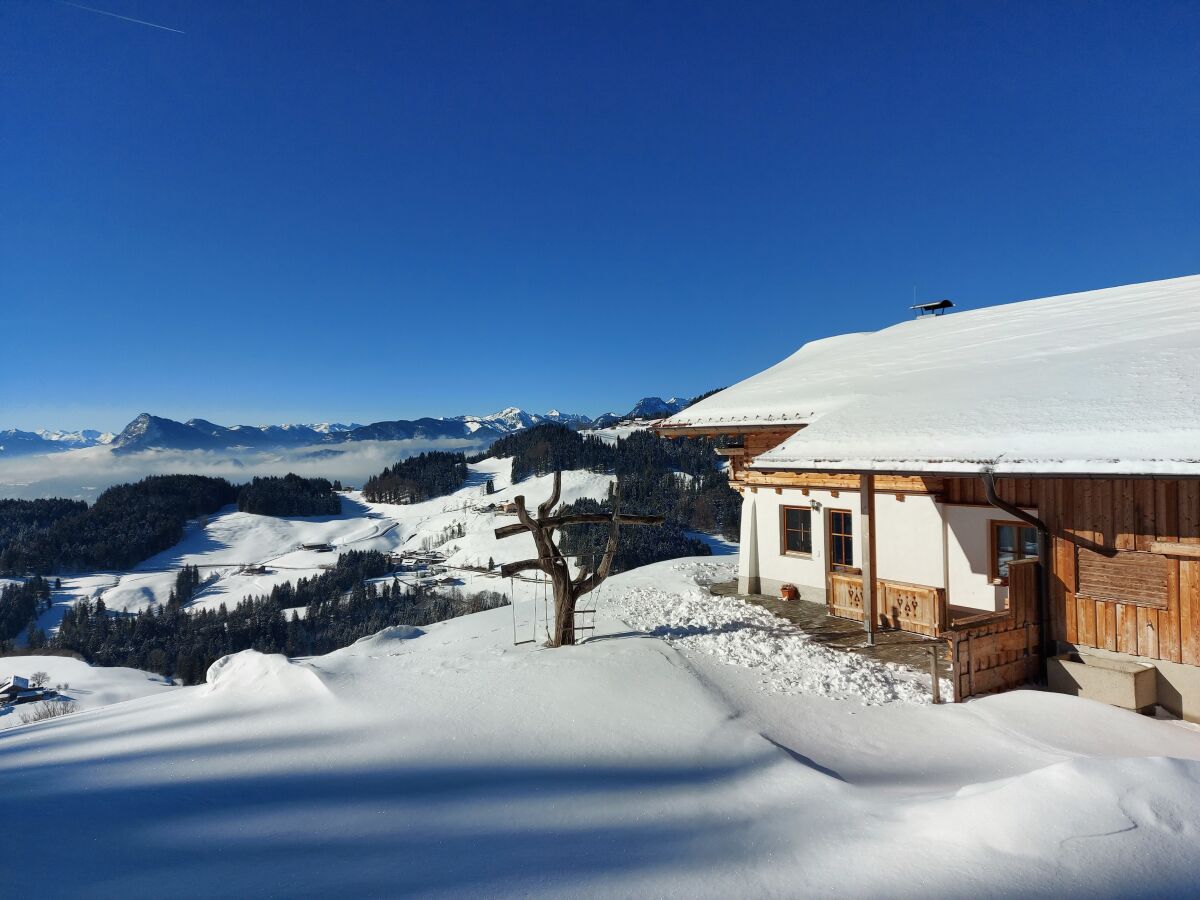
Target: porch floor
{"points": [[898, 647]]}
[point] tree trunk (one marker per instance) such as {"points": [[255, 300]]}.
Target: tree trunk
{"points": [[550, 560]]}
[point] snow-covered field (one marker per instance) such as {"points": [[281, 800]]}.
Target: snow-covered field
{"points": [[445, 761]]}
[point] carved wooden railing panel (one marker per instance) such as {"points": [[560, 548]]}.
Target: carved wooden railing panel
{"points": [[915, 608], [844, 597]]}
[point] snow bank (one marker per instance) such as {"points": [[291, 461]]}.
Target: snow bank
{"points": [[387, 638], [1153, 799], [627, 766], [253, 674], [671, 600]]}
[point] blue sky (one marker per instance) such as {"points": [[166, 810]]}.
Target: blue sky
{"points": [[314, 211]]}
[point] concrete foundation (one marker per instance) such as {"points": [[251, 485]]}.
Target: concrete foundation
{"points": [[1177, 686]]}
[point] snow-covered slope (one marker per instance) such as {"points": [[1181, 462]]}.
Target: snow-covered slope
{"points": [[1096, 382], [90, 687], [449, 762], [222, 544]]}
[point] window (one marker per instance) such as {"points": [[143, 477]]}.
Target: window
{"points": [[1010, 541], [797, 530], [841, 538]]}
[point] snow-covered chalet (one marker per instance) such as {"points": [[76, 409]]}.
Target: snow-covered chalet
{"points": [[1021, 481]]}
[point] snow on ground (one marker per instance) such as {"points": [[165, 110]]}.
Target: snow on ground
{"points": [[91, 687], [445, 761], [743, 634]]}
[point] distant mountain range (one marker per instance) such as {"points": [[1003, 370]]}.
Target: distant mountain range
{"points": [[149, 432]]}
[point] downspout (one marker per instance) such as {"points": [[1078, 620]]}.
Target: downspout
{"points": [[989, 490]]}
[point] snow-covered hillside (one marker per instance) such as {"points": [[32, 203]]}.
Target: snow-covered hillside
{"points": [[225, 543], [446, 761], [89, 687]]}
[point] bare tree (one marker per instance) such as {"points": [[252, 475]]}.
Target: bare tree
{"points": [[39, 679], [48, 709], [567, 590]]}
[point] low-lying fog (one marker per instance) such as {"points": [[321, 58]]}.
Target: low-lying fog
{"points": [[83, 474]]}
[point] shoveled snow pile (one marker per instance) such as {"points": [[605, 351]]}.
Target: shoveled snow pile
{"points": [[743, 634], [465, 765]]}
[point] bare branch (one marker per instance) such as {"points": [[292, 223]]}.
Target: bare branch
{"points": [[548, 506], [524, 565], [594, 580]]}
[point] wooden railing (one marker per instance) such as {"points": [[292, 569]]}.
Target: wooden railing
{"points": [[996, 651], [915, 608]]}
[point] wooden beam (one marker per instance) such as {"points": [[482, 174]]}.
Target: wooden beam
{"points": [[579, 519], [1173, 548], [867, 510]]}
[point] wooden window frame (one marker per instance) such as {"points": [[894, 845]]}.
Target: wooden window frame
{"points": [[783, 532], [846, 568], [994, 576]]}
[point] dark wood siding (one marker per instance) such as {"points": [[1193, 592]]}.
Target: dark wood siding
{"points": [[1098, 517]]}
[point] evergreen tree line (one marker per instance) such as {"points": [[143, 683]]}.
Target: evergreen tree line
{"points": [[678, 479], [21, 519], [418, 478], [126, 524], [20, 605], [548, 447], [290, 495], [637, 545], [339, 608]]}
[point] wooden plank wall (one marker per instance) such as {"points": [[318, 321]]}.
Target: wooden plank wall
{"points": [[1106, 515], [998, 651]]}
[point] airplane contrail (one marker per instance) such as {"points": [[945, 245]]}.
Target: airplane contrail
{"points": [[116, 16]]}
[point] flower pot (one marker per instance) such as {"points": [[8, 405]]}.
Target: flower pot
{"points": [[789, 592]]}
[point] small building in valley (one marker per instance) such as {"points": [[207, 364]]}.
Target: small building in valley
{"points": [[1020, 481]]}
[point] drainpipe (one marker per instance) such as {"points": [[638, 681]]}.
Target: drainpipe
{"points": [[989, 489]]}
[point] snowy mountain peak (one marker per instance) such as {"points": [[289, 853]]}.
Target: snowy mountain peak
{"points": [[656, 408]]}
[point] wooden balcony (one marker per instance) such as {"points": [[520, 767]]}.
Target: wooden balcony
{"points": [[915, 608]]}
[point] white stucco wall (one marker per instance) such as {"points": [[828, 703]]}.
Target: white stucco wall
{"points": [[908, 536], [807, 573], [909, 539], [918, 541], [968, 547]]}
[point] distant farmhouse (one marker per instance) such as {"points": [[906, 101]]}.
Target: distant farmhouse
{"points": [[16, 689], [1020, 481]]}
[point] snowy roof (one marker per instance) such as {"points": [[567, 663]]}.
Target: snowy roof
{"points": [[1099, 382]]}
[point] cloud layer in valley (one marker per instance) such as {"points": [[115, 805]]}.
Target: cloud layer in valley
{"points": [[85, 473]]}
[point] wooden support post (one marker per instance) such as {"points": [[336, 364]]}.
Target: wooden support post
{"points": [[867, 510], [934, 683]]}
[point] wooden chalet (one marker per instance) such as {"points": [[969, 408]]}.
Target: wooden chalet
{"points": [[1021, 481]]}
